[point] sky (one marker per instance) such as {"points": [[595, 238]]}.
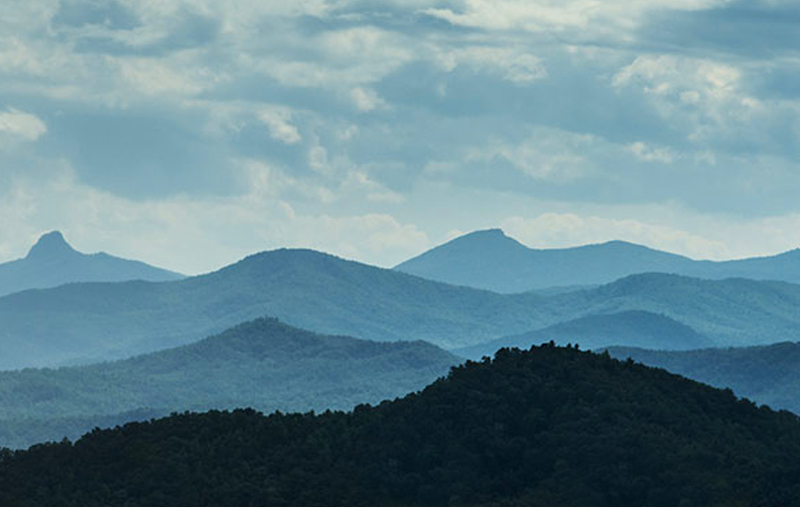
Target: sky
{"points": [[189, 134]]}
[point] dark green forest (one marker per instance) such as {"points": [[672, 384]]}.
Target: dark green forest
{"points": [[263, 364], [547, 427]]}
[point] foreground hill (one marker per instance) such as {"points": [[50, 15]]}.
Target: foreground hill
{"points": [[262, 364], [768, 374], [541, 428], [53, 262], [312, 290], [633, 327], [491, 260]]}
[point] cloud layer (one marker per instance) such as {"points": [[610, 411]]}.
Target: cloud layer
{"points": [[190, 133]]}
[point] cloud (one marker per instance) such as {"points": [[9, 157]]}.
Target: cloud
{"points": [[515, 65], [366, 99], [648, 153], [21, 124], [278, 121], [196, 234]]}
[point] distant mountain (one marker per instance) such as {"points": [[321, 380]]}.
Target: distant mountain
{"points": [[80, 323], [767, 374], [262, 364], [632, 328], [547, 427], [491, 260], [53, 262], [731, 312]]}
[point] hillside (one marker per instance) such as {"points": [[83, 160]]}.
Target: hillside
{"points": [[53, 262], [491, 260], [262, 364], [767, 374], [631, 328], [86, 322], [546, 427]]}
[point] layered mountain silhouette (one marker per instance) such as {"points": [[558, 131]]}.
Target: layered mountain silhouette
{"points": [[52, 262], [81, 323], [491, 260], [767, 374], [645, 329], [540, 428], [262, 364]]}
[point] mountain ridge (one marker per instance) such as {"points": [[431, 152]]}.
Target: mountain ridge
{"points": [[52, 262], [489, 259]]}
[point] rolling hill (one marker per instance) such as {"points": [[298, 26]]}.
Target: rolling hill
{"points": [[633, 328], [545, 427], [491, 260], [52, 262], [767, 374], [262, 364]]}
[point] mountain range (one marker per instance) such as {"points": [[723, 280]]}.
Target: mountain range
{"points": [[263, 364], [52, 262], [82, 323], [491, 260], [549, 426]]}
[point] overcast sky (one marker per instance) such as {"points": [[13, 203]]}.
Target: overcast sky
{"points": [[191, 133]]}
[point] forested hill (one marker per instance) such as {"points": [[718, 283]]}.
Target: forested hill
{"points": [[263, 364], [767, 374], [547, 427], [52, 262]]}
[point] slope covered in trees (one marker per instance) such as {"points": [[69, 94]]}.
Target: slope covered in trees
{"points": [[491, 260], [768, 374], [263, 364], [550, 426], [52, 262]]}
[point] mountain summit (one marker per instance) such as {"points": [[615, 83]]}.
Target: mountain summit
{"points": [[50, 246], [52, 262], [490, 260]]}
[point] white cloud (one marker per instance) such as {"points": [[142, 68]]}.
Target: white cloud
{"points": [[547, 154], [513, 64], [195, 234], [647, 153], [19, 123], [278, 121], [366, 99]]}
